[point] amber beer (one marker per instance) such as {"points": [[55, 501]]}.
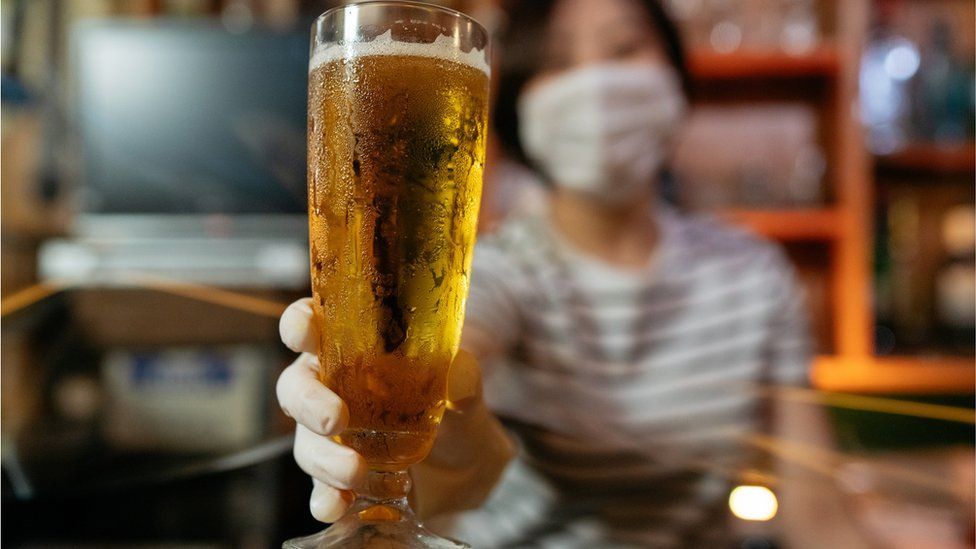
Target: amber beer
{"points": [[396, 138]]}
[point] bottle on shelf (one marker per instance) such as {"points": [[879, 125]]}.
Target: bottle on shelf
{"points": [[941, 110]]}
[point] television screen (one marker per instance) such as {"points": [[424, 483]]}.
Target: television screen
{"points": [[186, 117]]}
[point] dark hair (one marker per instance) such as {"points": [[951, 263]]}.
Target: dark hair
{"points": [[522, 51]]}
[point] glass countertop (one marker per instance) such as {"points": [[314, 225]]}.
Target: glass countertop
{"points": [[123, 385]]}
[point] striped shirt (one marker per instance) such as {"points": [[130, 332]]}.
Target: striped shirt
{"points": [[627, 390]]}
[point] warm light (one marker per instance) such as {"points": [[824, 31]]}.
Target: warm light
{"points": [[753, 503]]}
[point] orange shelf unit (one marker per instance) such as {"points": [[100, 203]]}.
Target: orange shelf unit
{"points": [[942, 375], [847, 224], [931, 157], [823, 61], [789, 225]]}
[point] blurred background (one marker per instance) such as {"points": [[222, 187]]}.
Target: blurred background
{"points": [[153, 228]]}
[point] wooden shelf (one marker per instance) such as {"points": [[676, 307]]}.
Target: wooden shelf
{"points": [[709, 65], [789, 225], [906, 375], [931, 157]]}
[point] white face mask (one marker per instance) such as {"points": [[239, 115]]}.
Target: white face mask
{"points": [[602, 130]]}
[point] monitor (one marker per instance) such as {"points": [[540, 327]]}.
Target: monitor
{"points": [[185, 117]]}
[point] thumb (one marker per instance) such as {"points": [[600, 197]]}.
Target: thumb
{"points": [[463, 383]]}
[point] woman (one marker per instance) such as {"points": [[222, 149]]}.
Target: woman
{"points": [[619, 337]]}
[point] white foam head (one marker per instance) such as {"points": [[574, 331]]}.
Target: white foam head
{"points": [[442, 48]]}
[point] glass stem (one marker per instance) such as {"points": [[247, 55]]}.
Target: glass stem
{"points": [[383, 496]]}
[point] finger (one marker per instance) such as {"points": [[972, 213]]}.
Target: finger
{"points": [[297, 327], [328, 461], [303, 397], [328, 503], [463, 382]]}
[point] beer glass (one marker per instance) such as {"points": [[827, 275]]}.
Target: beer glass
{"points": [[398, 107]]}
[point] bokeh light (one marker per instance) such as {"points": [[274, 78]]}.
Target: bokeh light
{"points": [[902, 60], [755, 503]]}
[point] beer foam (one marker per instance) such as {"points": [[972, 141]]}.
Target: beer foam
{"points": [[442, 48]]}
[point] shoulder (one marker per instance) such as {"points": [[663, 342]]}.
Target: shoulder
{"points": [[507, 256], [515, 235], [703, 241], [514, 244]]}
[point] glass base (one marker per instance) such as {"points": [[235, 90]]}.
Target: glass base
{"points": [[376, 525]]}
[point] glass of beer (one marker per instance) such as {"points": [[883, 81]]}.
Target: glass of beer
{"points": [[398, 107]]}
